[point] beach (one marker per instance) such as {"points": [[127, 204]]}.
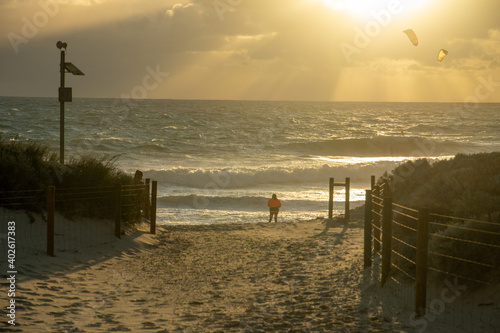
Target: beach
{"points": [[305, 276], [289, 277]]}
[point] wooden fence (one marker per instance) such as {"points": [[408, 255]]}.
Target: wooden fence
{"points": [[347, 185], [123, 204], [402, 237]]}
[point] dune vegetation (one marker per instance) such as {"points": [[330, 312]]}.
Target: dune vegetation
{"points": [[466, 186], [30, 166]]}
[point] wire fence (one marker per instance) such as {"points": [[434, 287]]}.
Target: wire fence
{"points": [[72, 219], [479, 244], [434, 262]]}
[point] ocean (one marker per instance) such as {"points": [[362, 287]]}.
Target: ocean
{"points": [[220, 161]]}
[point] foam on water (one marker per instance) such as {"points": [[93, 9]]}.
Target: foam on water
{"points": [[219, 161]]}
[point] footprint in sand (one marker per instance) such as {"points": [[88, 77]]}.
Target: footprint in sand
{"points": [[58, 314], [149, 325], [120, 328], [48, 300], [138, 301], [108, 318]]}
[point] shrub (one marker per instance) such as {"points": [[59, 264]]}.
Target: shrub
{"points": [[467, 185], [88, 171], [87, 185], [29, 166], [23, 166]]}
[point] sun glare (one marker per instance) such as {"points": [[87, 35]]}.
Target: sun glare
{"points": [[366, 8], [355, 6]]}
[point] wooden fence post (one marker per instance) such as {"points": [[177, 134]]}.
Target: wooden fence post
{"points": [[51, 207], [118, 211], [330, 199], [386, 233], [421, 262], [154, 190], [147, 199], [368, 230], [347, 195], [376, 221]]}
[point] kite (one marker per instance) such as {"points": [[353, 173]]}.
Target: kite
{"points": [[411, 35], [441, 54]]}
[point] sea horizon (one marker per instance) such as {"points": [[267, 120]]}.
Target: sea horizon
{"points": [[462, 102], [217, 161]]}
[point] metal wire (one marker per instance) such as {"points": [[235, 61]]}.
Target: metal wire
{"points": [[404, 226], [62, 189], [403, 242], [77, 201], [409, 222], [458, 276], [402, 256], [407, 215], [403, 271], [463, 219], [394, 279], [73, 198], [22, 191], [467, 241], [404, 207], [462, 259], [464, 228]]}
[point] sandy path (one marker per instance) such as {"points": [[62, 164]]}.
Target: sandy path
{"points": [[285, 277]]}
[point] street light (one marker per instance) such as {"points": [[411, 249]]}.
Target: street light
{"points": [[65, 93]]}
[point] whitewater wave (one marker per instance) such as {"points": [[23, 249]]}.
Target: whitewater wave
{"points": [[383, 146], [231, 178], [243, 203]]}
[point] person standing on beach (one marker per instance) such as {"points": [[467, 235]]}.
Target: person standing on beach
{"points": [[144, 200], [274, 207], [138, 178]]}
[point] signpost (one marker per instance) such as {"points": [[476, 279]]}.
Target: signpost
{"points": [[65, 93]]}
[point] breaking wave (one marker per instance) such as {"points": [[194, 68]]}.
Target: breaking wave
{"points": [[230, 178], [244, 203], [383, 146]]}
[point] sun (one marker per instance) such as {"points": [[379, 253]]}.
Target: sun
{"points": [[366, 8], [355, 6]]}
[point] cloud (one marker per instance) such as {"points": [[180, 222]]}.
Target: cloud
{"points": [[178, 7], [251, 48], [476, 54]]}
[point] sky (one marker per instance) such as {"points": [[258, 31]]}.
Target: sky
{"points": [[325, 50]]}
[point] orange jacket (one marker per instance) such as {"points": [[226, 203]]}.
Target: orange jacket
{"points": [[273, 203]]}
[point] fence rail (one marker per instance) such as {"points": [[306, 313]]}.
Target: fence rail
{"points": [[405, 239], [43, 216]]}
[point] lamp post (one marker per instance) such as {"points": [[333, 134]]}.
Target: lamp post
{"points": [[65, 93]]}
